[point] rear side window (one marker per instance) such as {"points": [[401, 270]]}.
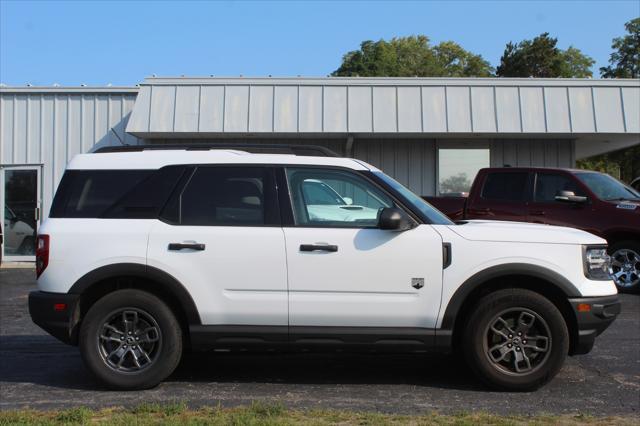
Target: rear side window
{"points": [[134, 194], [231, 196], [505, 186]]}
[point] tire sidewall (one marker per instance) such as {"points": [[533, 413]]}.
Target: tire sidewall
{"points": [[170, 350], [486, 309]]}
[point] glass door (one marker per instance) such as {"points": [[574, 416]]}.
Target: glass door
{"points": [[20, 202]]}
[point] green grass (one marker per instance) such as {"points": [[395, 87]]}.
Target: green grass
{"points": [[264, 414]]}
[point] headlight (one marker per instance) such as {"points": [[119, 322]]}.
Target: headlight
{"points": [[596, 263]]}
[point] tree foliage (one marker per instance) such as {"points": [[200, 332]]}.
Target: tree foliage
{"points": [[412, 56], [456, 183], [623, 164], [625, 58], [541, 57]]}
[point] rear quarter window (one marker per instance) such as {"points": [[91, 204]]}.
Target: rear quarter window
{"points": [[113, 193]]}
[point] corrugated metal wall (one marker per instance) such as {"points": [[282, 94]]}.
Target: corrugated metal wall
{"points": [[212, 106], [48, 129]]}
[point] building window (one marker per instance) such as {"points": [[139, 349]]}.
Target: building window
{"points": [[458, 167]]}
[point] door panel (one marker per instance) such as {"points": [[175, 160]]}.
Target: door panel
{"points": [[545, 209], [503, 196], [367, 282], [343, 271], [20, 206], [239, 278], [227, 246]]}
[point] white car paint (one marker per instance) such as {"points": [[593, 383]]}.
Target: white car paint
{"points": [[241, 277], [367, 281], [258, 275]]}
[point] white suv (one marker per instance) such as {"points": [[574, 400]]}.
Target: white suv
{"points": [[151, 250]]}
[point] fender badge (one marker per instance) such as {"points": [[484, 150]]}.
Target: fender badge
{"points": [[417, 283], [626, 206]]}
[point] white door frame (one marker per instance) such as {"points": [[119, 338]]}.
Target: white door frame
{"points": [[38, 212]]}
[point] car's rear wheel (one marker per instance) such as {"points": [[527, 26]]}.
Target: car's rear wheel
{"points": [[515, 339], [625, 266], [130, 339]]}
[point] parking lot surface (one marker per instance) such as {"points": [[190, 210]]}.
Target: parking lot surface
{"points": [[39, 372]]}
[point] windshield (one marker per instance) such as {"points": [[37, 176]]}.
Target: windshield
{"points": [[607, 188], [434, 215]]}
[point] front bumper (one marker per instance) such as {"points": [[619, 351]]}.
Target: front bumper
{"points": [[46, 310], [592, 321]]}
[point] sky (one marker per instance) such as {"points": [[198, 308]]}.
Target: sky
{"points": [[122, 42]]}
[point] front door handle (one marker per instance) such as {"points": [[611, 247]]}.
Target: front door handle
{"points": [[538, 213], [318, 247], [191, 246]]}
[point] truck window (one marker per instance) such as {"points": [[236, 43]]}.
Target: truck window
{"points": [[548, 185], [506, 186]]}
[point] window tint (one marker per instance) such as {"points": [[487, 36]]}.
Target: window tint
{"points": [[548, 185], [226, 196], [508, 186], [147, 198], [89, 193], [334, 198]]}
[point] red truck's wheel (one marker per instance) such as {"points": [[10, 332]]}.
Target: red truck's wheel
{"points": [[625, 265]]}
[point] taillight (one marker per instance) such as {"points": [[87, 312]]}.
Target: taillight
{"points": [[42, 254]]}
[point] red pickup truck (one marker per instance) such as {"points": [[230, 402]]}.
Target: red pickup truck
{"points": [[592, 201]]}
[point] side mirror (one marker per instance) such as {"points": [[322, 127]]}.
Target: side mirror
{"points": [[348, 200], [570, 197], [394, 219]]}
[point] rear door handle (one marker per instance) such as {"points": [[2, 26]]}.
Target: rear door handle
{"points": [[318, 247], [182, 246], [538, 213]]}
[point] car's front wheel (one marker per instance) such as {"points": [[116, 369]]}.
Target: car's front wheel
{"points": [[515, 339], [130, 339], [625, 266]]}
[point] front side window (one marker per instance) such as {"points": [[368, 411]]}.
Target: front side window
{"points": [[334, 198], [548, 185], [225, 196], [505, 186]]}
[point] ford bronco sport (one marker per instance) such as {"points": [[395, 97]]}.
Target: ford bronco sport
{"points": [[149, 251]]}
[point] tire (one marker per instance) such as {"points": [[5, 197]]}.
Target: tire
{"points": [[123, 326], [625, 261], [498, 368]]}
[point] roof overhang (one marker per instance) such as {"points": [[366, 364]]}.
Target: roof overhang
{"points": [[494, 107]]}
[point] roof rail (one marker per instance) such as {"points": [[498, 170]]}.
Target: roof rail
{"points": [[303, 150]]}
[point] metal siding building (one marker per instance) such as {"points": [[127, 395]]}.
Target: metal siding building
{"points": [[397, 124]]}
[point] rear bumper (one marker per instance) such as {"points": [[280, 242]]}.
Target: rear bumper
{"points": [[46, 312], [592, 322]]}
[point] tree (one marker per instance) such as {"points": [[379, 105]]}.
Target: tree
{"points": [[541, 57], [455, 183], [625, 59], [623, 164], [412, 56]]}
